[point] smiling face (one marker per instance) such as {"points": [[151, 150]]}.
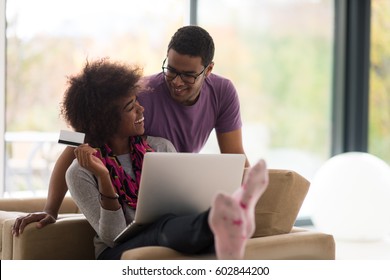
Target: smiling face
{"points": [[182, 92], [132, 118]]}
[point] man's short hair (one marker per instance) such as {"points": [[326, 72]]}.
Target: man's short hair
{"points": [[194, 41]]}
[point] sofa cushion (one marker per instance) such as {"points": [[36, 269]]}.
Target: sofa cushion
{"points": [[7, 219], [11, 208], [299, 244], [71, 237], [278, 208]]}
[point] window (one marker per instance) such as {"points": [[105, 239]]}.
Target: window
{"points": [[279, 56], [278, 53], [379, 100], [49, 40]]}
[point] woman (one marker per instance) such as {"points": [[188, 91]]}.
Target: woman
{"points": [[102, 102]]}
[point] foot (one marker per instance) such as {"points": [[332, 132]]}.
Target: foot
{"points": [[251, 190], [231, 218]]}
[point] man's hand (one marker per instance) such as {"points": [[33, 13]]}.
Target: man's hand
{"points": [[42, 218]]}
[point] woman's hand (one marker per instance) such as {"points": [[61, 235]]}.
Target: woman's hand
{"points": [[85, 155], [42, 218], [87, 159]]}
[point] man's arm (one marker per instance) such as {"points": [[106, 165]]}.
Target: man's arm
{"points": [[57, 184], [56, 194], [231, 143]]}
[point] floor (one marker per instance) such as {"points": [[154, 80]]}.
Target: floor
{"points": [[374, 250], [364, 250]]}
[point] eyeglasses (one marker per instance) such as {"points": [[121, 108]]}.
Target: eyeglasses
{"points": [[171, 74]]}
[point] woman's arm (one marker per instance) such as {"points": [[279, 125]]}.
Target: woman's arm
{"points": [[96, 199]]}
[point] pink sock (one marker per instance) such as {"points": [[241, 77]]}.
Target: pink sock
{"points": [[232, 217]]}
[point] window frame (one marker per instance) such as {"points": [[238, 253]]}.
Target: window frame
{"points": [[351, 64]]}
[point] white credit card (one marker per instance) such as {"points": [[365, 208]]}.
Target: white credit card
{"points": [[71, 138]]}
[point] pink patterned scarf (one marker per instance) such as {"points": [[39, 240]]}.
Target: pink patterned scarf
{"points": [[125, 186]]}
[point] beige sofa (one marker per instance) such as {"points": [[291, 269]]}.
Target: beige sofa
{"points": [[71, 237]]}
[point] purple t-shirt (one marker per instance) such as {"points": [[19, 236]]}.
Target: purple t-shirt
{"points": [[188, 127]]}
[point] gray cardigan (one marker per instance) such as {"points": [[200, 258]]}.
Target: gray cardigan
{"points": [[84, 190]]}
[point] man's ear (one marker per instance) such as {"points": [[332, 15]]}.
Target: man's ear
{"points": [[209, 69]]}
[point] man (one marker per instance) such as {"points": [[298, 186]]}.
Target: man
{"points": [[187, 101], [183, 104]]}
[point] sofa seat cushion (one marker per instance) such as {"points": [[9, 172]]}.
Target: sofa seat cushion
{"points": [[299, 244]]}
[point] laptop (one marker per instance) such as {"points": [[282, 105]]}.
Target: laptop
{"points": [[182, 184]]}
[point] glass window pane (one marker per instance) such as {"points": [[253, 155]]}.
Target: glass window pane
{"points": [[279, 56], [49, 40], [379, 100]]}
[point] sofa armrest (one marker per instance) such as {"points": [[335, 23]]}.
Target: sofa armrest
{"points": [[299, 244], [70, 237]]}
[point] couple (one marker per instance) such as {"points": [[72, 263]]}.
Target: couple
{"points": [[116, 127]]}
